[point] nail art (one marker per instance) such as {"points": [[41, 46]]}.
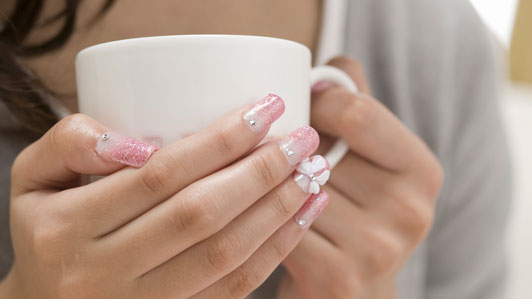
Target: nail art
{"points": [[300, 144], [264, 113], [311, 209], [312, 173], [122, 149]]}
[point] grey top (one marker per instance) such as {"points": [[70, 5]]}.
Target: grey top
{"points": [[435, 66]]}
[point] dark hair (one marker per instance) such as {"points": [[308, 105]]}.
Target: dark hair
{"points": [[20, 91]]}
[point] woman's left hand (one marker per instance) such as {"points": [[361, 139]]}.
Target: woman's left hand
{"points": [[382, 197]]}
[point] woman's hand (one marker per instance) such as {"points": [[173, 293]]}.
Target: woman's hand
{"points": [[382, 198], [191, 222]]}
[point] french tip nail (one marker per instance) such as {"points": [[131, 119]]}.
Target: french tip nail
{"points": [[300, 144], [312, 208], [264, 113], [125, 150]]}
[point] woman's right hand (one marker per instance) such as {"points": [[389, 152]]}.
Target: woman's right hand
{"points": [[195, 221]]}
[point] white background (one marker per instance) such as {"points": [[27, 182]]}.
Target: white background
{"points": [[499, 15]]}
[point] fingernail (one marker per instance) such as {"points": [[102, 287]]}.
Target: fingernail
{"points": [[122, 149], [321, 86], [300, 144], [264, 113], [311, 209], [312, 173]]}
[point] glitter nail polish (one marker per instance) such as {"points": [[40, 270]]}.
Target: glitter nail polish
{"points": [[312, 173], [300, 144], [122, 149], [261, 116], [311, 209]]}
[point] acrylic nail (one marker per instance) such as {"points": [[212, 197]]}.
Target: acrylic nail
{"points": [[261, 116], [300, 144], [122, 149], [311, 209], [312, 173], [321, 86]]}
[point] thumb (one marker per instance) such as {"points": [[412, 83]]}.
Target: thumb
{"points": [[75, 146], [330, 102]]}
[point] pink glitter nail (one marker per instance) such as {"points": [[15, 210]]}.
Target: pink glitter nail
{"points": [[264, 113], [311, 209], [300, 144], [126, 150]]}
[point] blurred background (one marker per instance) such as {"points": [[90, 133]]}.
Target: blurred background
{"points": [[511, 24]]}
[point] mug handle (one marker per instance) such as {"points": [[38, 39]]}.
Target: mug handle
{"points": [[338, 77]]}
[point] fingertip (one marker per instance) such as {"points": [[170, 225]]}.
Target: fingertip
{"points": [[311, 209], [300, 144], [261, 115]]}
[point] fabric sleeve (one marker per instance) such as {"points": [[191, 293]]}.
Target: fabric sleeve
{"points": [[466, 250]]}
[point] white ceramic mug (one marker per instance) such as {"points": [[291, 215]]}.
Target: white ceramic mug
{"points": [[169, 87]]}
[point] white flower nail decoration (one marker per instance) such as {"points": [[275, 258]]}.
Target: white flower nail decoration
{"points": [[312, 172]]}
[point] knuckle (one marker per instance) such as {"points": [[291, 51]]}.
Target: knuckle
{"points": [[358, 114], [63, 133], [224, 143], [264, 169], [156, 176], [421, 224], [411, 214], [248, 279], [222, 255], [280, 204], [433, 179], [280, 248], [385, 252], [194, 215], [416, 216], [243, 284], [18, 170]]}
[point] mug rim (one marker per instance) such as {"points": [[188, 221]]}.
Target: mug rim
{"points": [[189, 37]]}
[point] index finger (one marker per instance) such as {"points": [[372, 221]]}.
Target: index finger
{"points": [[176, 166], [353, 69], [61, 155], [370, 129]]}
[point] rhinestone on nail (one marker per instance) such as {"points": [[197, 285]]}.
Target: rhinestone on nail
{"points": [[290, 153], [253, 122], [105, 136], [301, 222]]}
